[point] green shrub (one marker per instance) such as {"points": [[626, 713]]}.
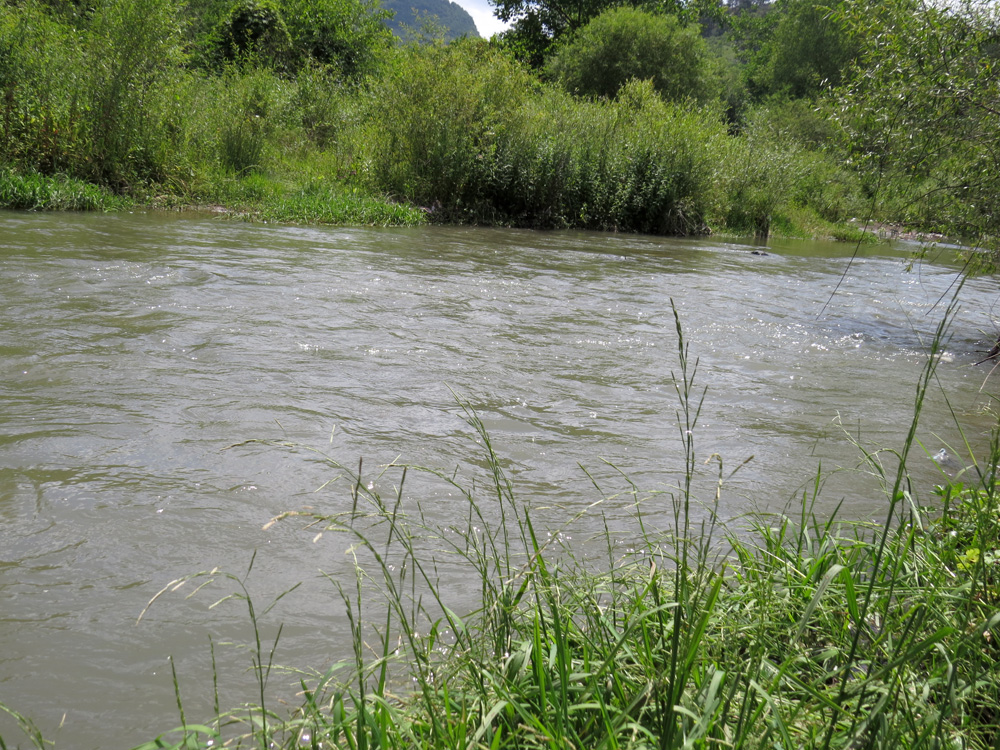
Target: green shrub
{"points": [[42, 90], [91, 102], [462, 131], [625, 43], [132, 52], [250, 109], [756, 174], [634, 164], [348, 35], [820, 179], [436, 117], [824, 184], [254, 30]]}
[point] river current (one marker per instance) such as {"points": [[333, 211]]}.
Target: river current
{"points": [[168, 384]]}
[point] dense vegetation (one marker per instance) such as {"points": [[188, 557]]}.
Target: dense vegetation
{"points": [[673, 118]]}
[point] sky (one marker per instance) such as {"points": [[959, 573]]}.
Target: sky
{"points": [[482, 13]]}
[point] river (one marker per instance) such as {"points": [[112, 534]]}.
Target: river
{"points": [[139, 353]]}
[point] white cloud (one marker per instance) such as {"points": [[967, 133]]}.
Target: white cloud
{"points": [[482, 13]]}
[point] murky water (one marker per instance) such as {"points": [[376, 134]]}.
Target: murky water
{"points": [[135, 349]]}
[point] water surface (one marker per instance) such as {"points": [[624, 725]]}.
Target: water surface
{"points": [[136, 349]]}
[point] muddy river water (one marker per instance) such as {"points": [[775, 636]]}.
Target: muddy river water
{"points": [[139, 353]]}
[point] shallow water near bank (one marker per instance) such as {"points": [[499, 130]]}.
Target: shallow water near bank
{"points": [[136, 349]]}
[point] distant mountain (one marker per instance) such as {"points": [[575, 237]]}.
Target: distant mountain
{"points": [[451, 15]]}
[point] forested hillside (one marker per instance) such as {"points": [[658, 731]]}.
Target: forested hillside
{"points": [[451, 16]]}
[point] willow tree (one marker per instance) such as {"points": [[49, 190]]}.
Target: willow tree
{"points": [[923, 113]]}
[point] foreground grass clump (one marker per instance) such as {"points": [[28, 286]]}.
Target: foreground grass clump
{"points": [[796, 632]]}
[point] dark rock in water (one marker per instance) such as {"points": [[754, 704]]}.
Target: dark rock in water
{"points": [[992, 353], [758, 252]]}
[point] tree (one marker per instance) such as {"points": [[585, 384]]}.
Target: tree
{"points": [[255, 28], [348, 34], [923, 112], [626, 43], [537, 24], [793, 48], [810, 50]]}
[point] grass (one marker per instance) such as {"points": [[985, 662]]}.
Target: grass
{"points": [[35, 192], [792, 631]]}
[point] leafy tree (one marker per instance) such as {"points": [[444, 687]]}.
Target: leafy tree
{"points": [[810, 49], [795, 48], [923, 111], [255, 28], [348, 34], [536, 24], [626, 43]]}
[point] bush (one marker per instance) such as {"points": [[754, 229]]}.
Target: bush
{"points": [[634, 164], [254, 29], [436, 117], [133, 48], [92, 103], [625, 43], [757, 173], [820, 179], [462, 131], [42, 90], [242, 113], [349, 35]]}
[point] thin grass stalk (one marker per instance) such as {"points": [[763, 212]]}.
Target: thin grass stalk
{"points": [[895, 498]]}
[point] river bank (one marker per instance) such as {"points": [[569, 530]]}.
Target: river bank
{"points": [[257, 199]]}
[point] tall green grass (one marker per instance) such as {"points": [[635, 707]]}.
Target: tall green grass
{"points": [[464, 131], [35, 192]]}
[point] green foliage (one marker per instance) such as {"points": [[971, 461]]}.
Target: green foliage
{"points": [[633, 164], [625, 43], [254, 105], [133, 47], [349, 35], [796, 48], [810, 51], [435, 118], [34, 192], [92, 103], [757, 174], [254, 30], [42, 68], [820, 177], [537, 24], [922, 113], [461, 131], [326, 105]]}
